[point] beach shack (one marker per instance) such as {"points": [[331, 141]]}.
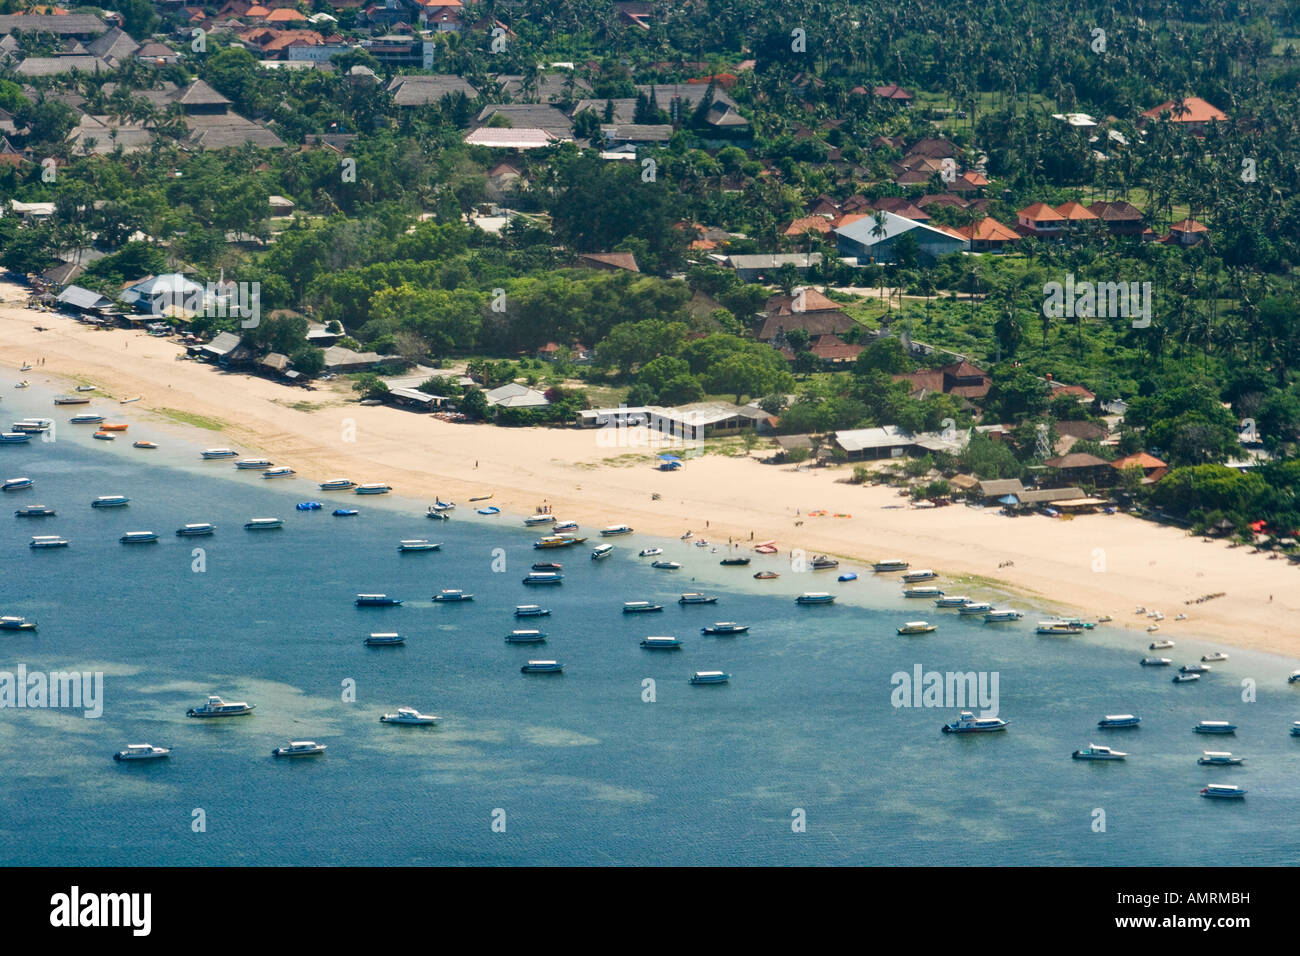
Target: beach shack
{"points": [[415, 399], [891, 441], [82, 302]]}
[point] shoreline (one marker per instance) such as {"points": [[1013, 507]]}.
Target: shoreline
{"points": [[1089, 566]]}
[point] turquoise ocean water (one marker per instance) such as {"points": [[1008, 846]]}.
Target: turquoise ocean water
{"points": [[580, 767]]}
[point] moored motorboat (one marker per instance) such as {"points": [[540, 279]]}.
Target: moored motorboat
{"points": [[734, 562], [917, 627], [1195, 669], [418, 544], [649, 552], [71, 400], [1156, 661], [975, 607], [344, 512], [440, 505], [563, 526], [548, 566], [640, 607], [17, 484], [614, 530], [33, 426], [196, 529], [141, 752], [601, 551], [128, 401], [377, 600], [526, 636], [14, 438], [531, 610], [924, 591], [953, 600], [385, 639], [815, 597], [48, 541], [1186, 678], [1119, 721], [1002, 615], [1098, 752], [144, 444], [1058, 628], [543, 578], [139, 537], [216, 707], [557, 541], [695, 597], [409, 716], [263, 524], [542, 667], [766, 575], [86, 419], [35, 511], [824, 563], [284, 471], [374, 488], [1160, 645], [661, 643], [452, 596], [968, 723], [1218, 758], [110, 501], [666, 565], [710, 677], [337, 484], [299, 748], [253, 464], [85, 388], [489, 510], [538, 519], [12, 622], [104, 436], [1216, 656], [1223, 792], [215, 453], [884, 567], [725, 629], [922, 574], [113, 427], [1215, 727]]}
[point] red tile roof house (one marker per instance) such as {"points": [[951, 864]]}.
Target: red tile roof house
{"points": [[989, 235], [1076, 216], [812, 312], [1041, 220], [1121, 218], [894, 93], [818, 224], [833, 350], [1186, 232], [961, 379], [900, 207], [1193, 114], [1153, 469]]}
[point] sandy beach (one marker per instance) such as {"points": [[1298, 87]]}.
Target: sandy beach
{"points": [[1089, 566]]}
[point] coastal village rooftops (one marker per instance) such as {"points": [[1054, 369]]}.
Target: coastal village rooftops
{"points": [[893, 437], [514, 395], [420, 90], [1141, 458], [989, 229], [1076, 460], [609, 261], [67, 24], [511, 138], [1075, 212]]}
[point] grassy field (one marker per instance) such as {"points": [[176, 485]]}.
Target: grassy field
{"points": [[189, 418]]}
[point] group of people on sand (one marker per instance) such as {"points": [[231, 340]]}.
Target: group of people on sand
{"points": [[1210, 597]]}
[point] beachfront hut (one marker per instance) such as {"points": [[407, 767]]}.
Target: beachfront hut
{"points": [[415, 399], [514, 395], [1081, 466], [890, 441], [81, 301], [219, 349]]}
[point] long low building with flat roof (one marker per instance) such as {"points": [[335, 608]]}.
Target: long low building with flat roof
{"points": [[890, 441], [693, 421]]}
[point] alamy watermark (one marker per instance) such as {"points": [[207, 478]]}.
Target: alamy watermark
{"points": [[72, 690], [953, 690], [1102, 300]]}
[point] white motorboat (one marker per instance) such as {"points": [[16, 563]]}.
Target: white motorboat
{"points": [[542, 667], [1001, 615], [1117, 721], [614, 529], [196, 529], [975, 607], [391, 639], [410, 716], [526, 636], [338, 484], [299, 748], [968, 723], [917, 627], [710, 677], [1215, 657], [1160, 645], [452, 595], [649, 552], [110, 501], [263, 524], [922, 574], [373, 488], [139, 537], [883, 567], [663, 643], [1098, 752], [418, 544], [953, 600], [925, 591], [248, 464], [601, 551], [1215, 727], [216, 707], [1223, 792], [141, 752], [1218, 758], [695, 597], [48, 541]]}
